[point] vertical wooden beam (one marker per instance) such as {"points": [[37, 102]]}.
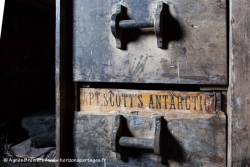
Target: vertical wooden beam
{"points": [[61, 80], [239, 86]]}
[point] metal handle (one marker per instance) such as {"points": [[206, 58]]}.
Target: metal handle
{"points": [[136, 142], [118, 140], [117, 24], [133, 24]]}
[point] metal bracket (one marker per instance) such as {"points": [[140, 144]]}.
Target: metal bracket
{"points": [[118, 141], [218, 103], [117, 24]]}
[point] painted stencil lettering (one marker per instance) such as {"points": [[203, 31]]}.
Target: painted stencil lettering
{"points": [[110, 100]]}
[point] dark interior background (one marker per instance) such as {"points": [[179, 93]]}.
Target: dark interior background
{"points": [[27, 58]]}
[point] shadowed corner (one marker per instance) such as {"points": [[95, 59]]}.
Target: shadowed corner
{"points": [[123, 131], [172, 30], [67, 135], [170, 147]]}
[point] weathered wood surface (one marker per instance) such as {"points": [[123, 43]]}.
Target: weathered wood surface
{"points": [[61, 82], [113, 100], [239, 92], [194, 35], [194, 140]]}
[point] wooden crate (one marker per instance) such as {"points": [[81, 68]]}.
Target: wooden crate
{"points": [[227, 132]]}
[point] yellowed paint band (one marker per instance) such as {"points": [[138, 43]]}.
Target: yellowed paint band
{"points": [[110, 100]]}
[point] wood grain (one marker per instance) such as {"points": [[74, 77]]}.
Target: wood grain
{"points": [[186, 141], [194, 35], [61, 82], [239, 92]]}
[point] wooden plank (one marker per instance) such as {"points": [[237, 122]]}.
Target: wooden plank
{"points": [[239, 92], [111, 100], [186, 141], [194, 35], [65, 87], [61, 82]]}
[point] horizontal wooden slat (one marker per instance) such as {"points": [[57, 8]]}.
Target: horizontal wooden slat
{"points": [[112, 100], [194, 40], [187, 142]]}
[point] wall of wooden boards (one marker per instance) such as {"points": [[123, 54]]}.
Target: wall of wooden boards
{"points": [[239, 87], [190, 140], [238, 94]]}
